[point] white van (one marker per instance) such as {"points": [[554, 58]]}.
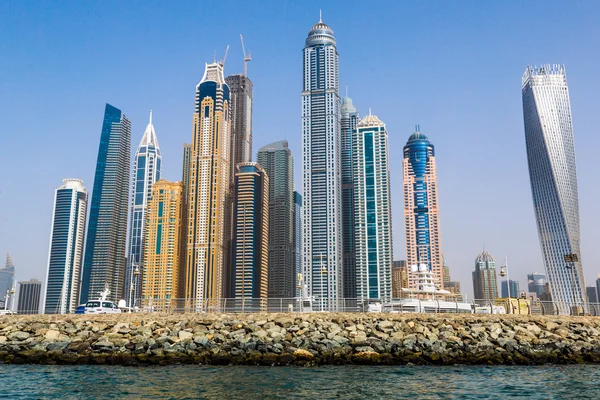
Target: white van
{"points": [[101, 307]]}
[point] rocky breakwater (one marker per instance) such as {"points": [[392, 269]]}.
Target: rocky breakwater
{"points": [[298, 339]]}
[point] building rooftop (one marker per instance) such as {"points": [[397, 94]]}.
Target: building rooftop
{"points": [[484, 257], [370, 120], [280, 145], [417, 136], [320, 33]]}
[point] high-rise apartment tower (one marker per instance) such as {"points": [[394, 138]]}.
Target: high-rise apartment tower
{"points": [[349, 120], [251, 233], [276, 159], [322, 233], [372, 210], [146, 171], [7, 282], [421, 215], [485, 282], [553, 177], [164, 246], [209, 190], [29, 297], [65, 258], [105, 261]]}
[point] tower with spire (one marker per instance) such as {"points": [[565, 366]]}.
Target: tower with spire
{"points": [[7, 279], [421, 214], [322, 184], [146, 171], [209, 202]]}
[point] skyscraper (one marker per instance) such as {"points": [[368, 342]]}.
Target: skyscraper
{"points": [[251, 232], [209, 197], [146, 171], [185, 173], [372, 211], [536, 283], [105, 261], [450, 285], [65, 258], [276, 159], [322, 233], [514, 288], [29, 297], [241, 119], [164, 246], [553, 176], [399, 278], [592, 296], [7, 282], [485, 283], [240, 151], [349, 120], [421, 215], [298, 242]]}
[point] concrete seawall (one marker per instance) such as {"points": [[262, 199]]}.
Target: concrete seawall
{"points": [[298, 339]]}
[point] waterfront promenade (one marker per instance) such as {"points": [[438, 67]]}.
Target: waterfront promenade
{"points": [[298, 339]]}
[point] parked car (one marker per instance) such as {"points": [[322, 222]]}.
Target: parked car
{"points": [[101, 307], [7, 312], [80, 309]]}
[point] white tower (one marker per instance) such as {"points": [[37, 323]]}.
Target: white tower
{"points": [[553, 176], [322, 247]]}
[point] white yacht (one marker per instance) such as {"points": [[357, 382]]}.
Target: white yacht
{"points": [[426, 298]]}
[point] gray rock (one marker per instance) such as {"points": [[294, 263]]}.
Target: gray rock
{"points": [[18, 335], [185, 335]]}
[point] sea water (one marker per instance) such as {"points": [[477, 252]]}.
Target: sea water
{"points": [[334, 382]]}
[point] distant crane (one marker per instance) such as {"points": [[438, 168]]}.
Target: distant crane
{"points": [[247, 57], [225, 57]]}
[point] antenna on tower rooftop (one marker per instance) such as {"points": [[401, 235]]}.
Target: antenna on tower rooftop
{"points": [[320, 16]]}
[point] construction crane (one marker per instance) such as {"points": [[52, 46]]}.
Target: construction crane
{"points": [[225, 57], [247, 57]]}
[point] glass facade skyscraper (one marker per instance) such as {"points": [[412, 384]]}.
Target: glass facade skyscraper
{"points": [[105, 259], [536, 283], [251, 233], [421, 215], [298, 241], [7, 281], [146, 171], [349, 119], [209, 196], [553, 176], [372, 210], [322, 233], [514, 289], [485, 282], [65, 259], [276, 159]]}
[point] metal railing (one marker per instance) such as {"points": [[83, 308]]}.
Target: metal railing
{"points": [[397, 305]]}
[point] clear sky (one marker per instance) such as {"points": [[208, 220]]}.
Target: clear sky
{"points": [[453, 67]]}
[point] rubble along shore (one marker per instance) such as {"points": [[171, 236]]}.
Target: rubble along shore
{"points": [[298, 339]]}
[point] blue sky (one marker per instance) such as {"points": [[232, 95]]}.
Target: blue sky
{"points": [[453, 67]]}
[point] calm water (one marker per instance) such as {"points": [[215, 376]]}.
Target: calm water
{"points": [[195, 382]]}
